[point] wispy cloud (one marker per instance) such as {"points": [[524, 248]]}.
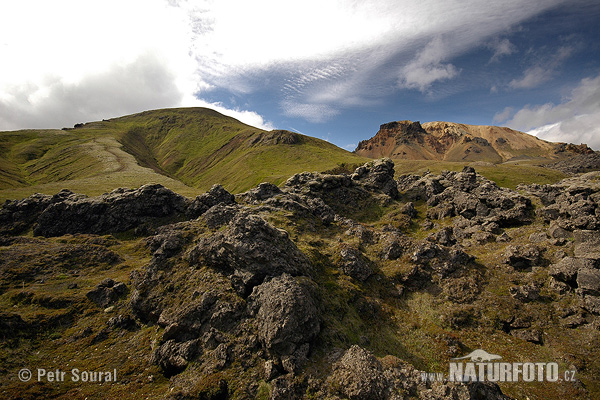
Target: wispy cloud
{"points": [[321, 55], [501, 48], [427, 67], [315, 113], [543, 71]]}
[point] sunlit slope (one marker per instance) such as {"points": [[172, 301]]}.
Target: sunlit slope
{"points": [[187, 149], [201, 147]]}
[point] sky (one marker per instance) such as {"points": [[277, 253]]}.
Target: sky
{"points": [[332, 69]]}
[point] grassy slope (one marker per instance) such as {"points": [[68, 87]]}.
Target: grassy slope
{"points": [[187, 150], [507, 175]]}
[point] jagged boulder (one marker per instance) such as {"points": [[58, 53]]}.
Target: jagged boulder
{"points": [[355, 264], [262, 192], [566, 269], [358, 375], [587, 244], [216, 195], [377, 175], [249, 249], [588, 281], [287, 315], [117, 211], [522, 256]]}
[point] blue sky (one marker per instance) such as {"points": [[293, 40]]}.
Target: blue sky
{"points": [[331, 69]]}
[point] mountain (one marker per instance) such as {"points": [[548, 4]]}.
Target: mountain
{"points": [[447, 141], [185, 149]]}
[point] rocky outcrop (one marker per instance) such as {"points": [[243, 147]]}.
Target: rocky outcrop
{"points": [[573, 204], [482, 204], [342, 191], [250, 250], [107, 292], [287, 319], [117, 211], [589, 161], [216, 195]]}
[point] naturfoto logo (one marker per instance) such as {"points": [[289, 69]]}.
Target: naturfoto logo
{"points": [[480, 366]]}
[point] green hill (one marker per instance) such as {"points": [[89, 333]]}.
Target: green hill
{"points": [[187, 150]]}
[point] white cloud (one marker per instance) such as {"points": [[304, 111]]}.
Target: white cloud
{"points": [[335, 53], [74, 61], [427, 67], [315, 113], [503, 115], [532, 77], [575, 120], [501, 48]]}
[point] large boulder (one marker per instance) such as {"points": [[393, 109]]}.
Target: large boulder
{"points": [[522, 256], [250, 249], [355, 264], [377, 175], [587, 244], [287, 315], [358, 375]]}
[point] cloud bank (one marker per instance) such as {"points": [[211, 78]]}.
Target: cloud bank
{"points": [[73, 61], [575, 120]]}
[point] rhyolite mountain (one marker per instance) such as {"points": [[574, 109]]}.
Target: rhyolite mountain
{"points": [[447, 141]]}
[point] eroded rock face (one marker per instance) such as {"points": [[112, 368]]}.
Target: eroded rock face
{"points": [[287, 315], [250, 250]]}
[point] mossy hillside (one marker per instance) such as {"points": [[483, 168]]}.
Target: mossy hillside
{"points": [[183, 149], [411, 324]]}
